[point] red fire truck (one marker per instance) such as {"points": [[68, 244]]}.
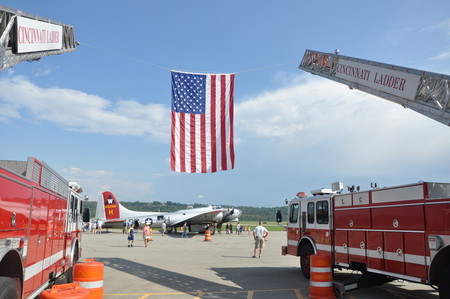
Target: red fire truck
{"points": [[400, 232], [40, 227]]}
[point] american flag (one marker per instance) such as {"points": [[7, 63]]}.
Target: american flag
{"points": [[202, 122]]}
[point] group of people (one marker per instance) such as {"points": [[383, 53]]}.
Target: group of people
{"points": [[259, 235], [95, 226], [229, 228], [146, 232]]}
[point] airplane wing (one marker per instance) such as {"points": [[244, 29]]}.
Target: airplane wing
{"points": [[206, 216]]}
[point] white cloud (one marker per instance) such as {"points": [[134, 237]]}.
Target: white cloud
{"points": [[336, 126], [76, 110], [98, 181], [442, 56]]}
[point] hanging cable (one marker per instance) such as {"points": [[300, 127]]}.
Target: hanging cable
{"points": [[139, 60]]}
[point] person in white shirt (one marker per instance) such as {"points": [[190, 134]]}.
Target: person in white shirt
{"points": [[259, 233], [163, 227]]}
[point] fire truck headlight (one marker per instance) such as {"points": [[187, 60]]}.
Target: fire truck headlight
{"points": [[435, 242]]}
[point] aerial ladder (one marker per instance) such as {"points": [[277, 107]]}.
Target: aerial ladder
{"points": [[424, 92], [28, 37]]}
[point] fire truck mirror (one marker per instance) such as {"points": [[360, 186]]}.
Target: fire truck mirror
{"points": [[279, 217], [86, 215]]}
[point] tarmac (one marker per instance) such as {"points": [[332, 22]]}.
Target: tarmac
{"points": [[172, 267]]}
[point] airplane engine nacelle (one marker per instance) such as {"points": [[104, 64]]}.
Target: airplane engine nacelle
{"points": [[218, 217]]}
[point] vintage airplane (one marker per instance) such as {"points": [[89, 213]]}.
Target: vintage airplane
{"points": [[113, 214]]}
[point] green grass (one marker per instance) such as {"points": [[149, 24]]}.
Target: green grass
{"points": [[270, 225]]}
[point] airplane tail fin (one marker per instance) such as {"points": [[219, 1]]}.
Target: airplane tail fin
{"points": [[110, 205]]}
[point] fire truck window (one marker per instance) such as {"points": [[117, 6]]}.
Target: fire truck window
{"points": [[293, 213], [310, 212], [72, 203], [322, 212]]}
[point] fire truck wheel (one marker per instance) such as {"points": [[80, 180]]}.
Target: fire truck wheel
{"points": [[305, 260], [444, 283], [7, 288]]}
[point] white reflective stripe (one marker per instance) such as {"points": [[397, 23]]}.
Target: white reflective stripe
{"points": [[36, 268], [390, 256], [323, 247], [340, 249], [414, 259], [292, 242], [320, 284], [393, 256], [321, 270], [375, 254], [357, 251], [90, 284]]}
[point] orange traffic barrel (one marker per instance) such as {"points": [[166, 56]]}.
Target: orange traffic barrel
{"points": [[69, 290], [90, 276], [207, 235], [321, 278]]}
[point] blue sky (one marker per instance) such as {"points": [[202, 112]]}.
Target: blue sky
{"points": [[100, 116]]}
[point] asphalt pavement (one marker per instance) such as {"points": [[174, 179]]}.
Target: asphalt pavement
{"points": [[172, 267]]}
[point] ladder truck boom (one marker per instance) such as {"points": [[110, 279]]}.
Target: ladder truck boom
{"points": [[424, 92], [28, 37]]}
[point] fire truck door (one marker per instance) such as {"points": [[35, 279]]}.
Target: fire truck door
{"points": [[293, 232], [394, 254], [318, 224], [46, 238], [53, 243], [72, 213], [36, 242]]}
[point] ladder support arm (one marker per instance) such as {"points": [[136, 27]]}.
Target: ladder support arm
{"points": [[424, 92]]}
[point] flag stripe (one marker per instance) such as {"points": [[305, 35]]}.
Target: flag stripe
{"points": [[231, 113], [223, 122], [213, 124], [203, 142], [202, 122]]}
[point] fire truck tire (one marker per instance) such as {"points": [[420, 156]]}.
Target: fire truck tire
{"points": [[7, 288], [305, 260], [444, 283]]}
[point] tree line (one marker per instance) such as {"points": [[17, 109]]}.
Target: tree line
{"points": [[248, 213]]}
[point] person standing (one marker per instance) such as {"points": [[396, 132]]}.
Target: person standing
{"points": [[258, 234], [124, 229], [100, 224], [184, 234], [163, 227], [146, 234], [131, 236]]}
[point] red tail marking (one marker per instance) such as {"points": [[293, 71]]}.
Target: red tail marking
{"points": [[111, 205]]}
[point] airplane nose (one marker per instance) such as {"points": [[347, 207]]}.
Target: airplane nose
{"points": [[238, 212]]}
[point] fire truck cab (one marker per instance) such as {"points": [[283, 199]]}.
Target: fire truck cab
{"points": [[400, 232], [40, 227]]}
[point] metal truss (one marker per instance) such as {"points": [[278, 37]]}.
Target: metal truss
{"points": [[8, 37], [431, 99]]}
